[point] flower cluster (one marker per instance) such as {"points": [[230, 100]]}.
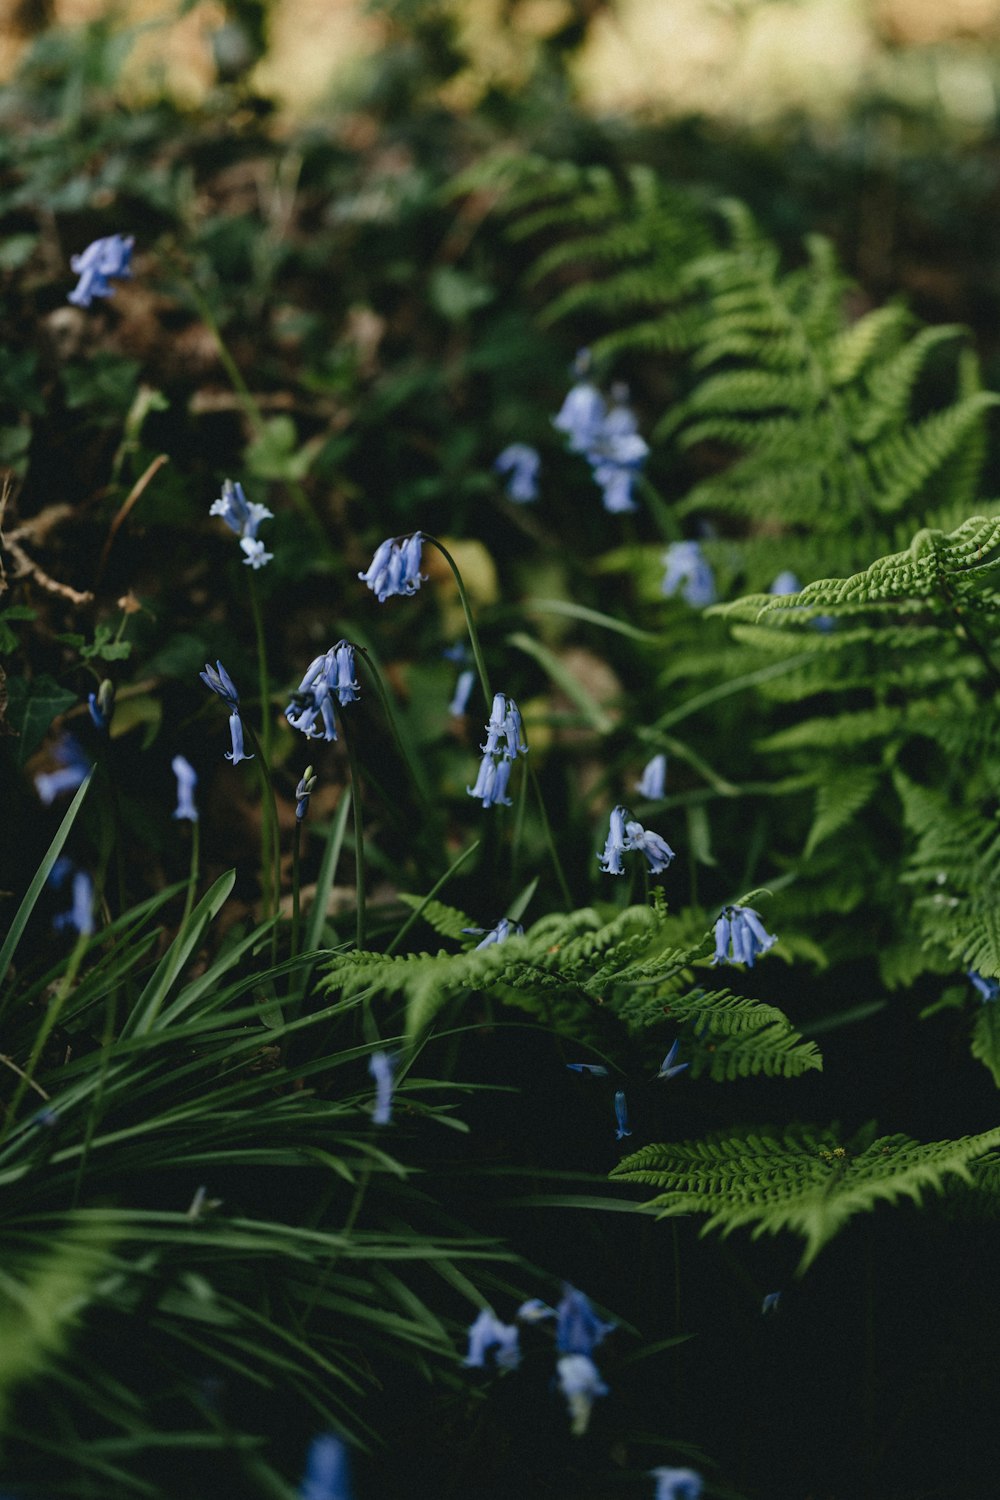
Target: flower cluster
{"points": [[220, 682], [110, 256], [504, 743], [625, 834], [243, 517], [327, 677], [740, 936], [187, 780], [327, 1475], [80, 916], [688, 570], [652, 783], [521, 463], [578, 1331], [606, 434], [72, 766], [395, 569]]}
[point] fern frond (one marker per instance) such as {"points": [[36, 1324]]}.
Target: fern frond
{"points": [[803, 1179]]}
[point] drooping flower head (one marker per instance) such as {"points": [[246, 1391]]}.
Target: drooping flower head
{"points": [[669, 1067], [740, 936], [241, 515], [504, 929], [463, 691], [327, 677], [652, 783], [621, 1116], [625, 834], [676, 1484], [988, 990], [617, 453], [688, 569], [327, 1475], [580, 1382], [615, 844], [382, 1067], [656, 849], [487, 1333], [505, 741], [110, 256], [102, 706], [395, 569], [578, 1328], [219, 680], [582, 412], [187, 780], [80, 916], [592, 1070], [72, 766], [521, 463]]}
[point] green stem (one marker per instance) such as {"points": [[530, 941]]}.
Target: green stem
{"points": [[296, 848], [469, 620], [193, 875], [418, 911], [262, 672], [270, 845], [359, 837], [251, 409], [550, 841]]}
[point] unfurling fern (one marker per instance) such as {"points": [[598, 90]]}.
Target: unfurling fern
{"points": [[802, 1179]]}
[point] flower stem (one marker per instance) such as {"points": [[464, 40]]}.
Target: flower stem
{"points": [[550, 841], [296, 850], [469, 619], [262, 672], [359, 837], [270, 844]]}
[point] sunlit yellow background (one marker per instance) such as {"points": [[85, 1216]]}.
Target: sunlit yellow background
{"points": [[749, 60]]}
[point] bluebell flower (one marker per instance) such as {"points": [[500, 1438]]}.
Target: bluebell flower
{"points": [[256, 557], [578, 1328], [382, 1067], [621, 1116], [219, 680], [594, 1070], [668, 1067], [534, 1311], [303, 792], [740, 936], [987, 989], [395, 569], [463, 691], [786, 583], [346, 686], [652, 784], [327, 1475], [491, 782], [770, 1303], [72, 766], [237, 753], [80, 917], [187, 780], [488, 1333], [522, 464], [617, 454], [327, 677], [688, 570], [102, 706], [580, 1382], [676, 1484], [110, 256], [615, 844], [656, 849], [582, 412], [241, 515], [504, 929]]}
